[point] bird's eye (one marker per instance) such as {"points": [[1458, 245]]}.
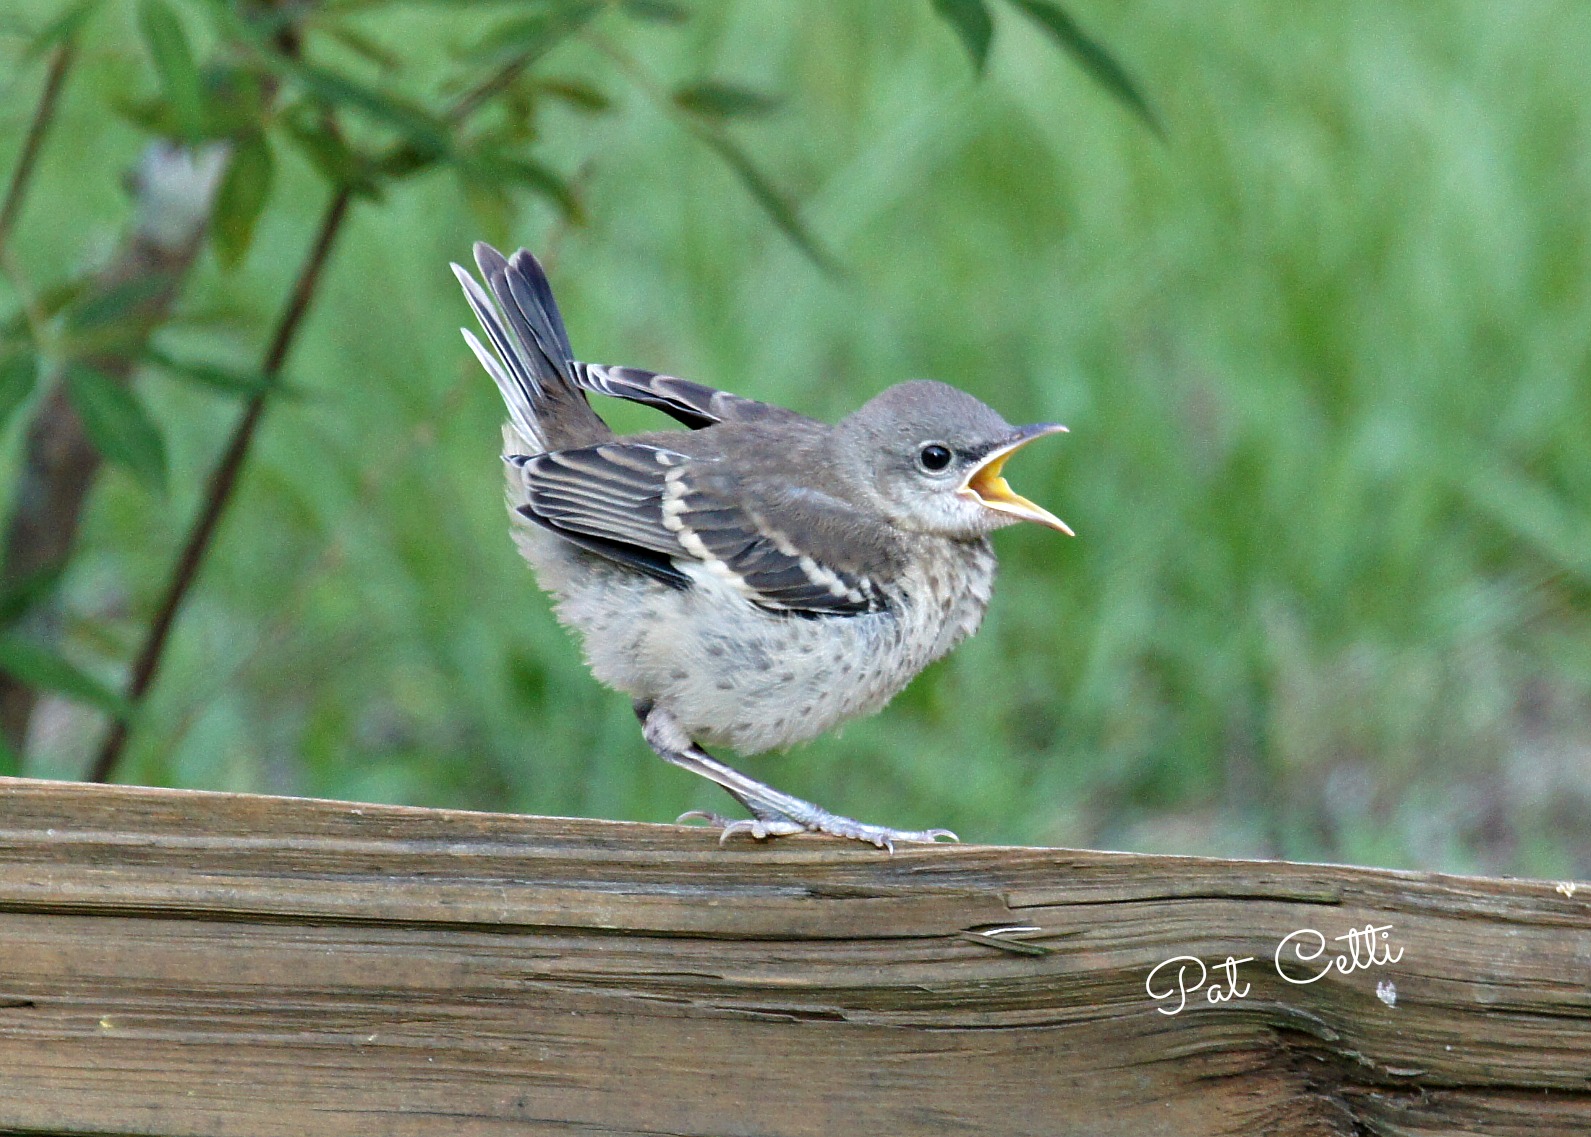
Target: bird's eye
{"points": [[934, 457]]}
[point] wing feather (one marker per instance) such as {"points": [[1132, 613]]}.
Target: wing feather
{"points": [[694, 404], [659, 510]]}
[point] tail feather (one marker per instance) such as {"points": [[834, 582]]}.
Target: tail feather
{"points": [[531, 362], [520, 420], [517, 385], [533, 299]]}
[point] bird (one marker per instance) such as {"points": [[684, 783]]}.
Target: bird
{"points": [[760, 577]]}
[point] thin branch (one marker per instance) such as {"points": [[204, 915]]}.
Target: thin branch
{"points": [[335, 551], [494, 84], [460, 110], [223, 481], [43, 115], [61, 60]]}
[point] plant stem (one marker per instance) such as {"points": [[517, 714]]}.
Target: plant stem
{"points": [[43, 115], [495, 84], [288, 613], [223, 482], [61, 60]]}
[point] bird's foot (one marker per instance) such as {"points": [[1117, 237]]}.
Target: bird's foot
{"points": [[759, 827], [880, 835], [773, 812], [779, 825]]}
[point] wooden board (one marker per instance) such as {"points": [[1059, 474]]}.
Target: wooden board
{"points": [[186, 963]]}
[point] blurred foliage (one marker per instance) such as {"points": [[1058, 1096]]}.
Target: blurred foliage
{"points": [[1323, 345]]}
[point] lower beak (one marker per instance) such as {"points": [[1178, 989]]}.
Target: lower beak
{"points": [[986, 486]]}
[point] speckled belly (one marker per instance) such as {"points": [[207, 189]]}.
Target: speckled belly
{"points": [[737, 675]]}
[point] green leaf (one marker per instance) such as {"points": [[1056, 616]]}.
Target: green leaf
{"points": [[57, 298], [115, 318], [18, 372], [581, 96], [330, 89], [402, 161], [173, 59], [712, 99], [1092, 56], [43, 669], [152, 115], [233, 106], [337, 162], [971, 21], [229, 22], [241, 198], [20, 598], [117, 424], [235, 101], [363, 46], [117, 304], [656, 11], [772, 199], [530, 37], [418, 127], [61, 29], [223, 379], [51, 301], [507, 169]]}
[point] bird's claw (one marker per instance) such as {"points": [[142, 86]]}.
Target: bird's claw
{"points": [[759, 827], [778, 825], [762, 828], [879, 835]]}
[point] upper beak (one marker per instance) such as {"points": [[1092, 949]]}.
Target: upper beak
{"points": [[985, 485]]}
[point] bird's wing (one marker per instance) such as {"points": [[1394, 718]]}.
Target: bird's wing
{"points": [[693, 404], [657, 511]]}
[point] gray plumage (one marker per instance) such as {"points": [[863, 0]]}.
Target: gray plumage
{"points": [[761, 577]]}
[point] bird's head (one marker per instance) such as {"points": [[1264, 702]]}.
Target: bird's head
{"points": [[931, 457]]}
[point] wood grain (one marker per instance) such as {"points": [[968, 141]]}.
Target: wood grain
{"points": [[185, 963]]}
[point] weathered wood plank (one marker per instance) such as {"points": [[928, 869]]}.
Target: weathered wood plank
{"points": [[190, 963]]}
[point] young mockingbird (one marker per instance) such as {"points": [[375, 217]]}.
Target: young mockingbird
{"points": [[761, 577]]}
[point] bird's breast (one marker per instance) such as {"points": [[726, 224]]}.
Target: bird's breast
{"points": [[947, 591], [753, 680], [744, 677]]}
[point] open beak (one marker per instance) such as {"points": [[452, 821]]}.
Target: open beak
{"points": [[985, 485]]}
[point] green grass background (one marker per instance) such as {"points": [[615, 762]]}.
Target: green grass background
{"points": [[1324, 353]]}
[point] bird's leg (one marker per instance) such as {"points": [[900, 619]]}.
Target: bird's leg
{"points": [[774, 813]]}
